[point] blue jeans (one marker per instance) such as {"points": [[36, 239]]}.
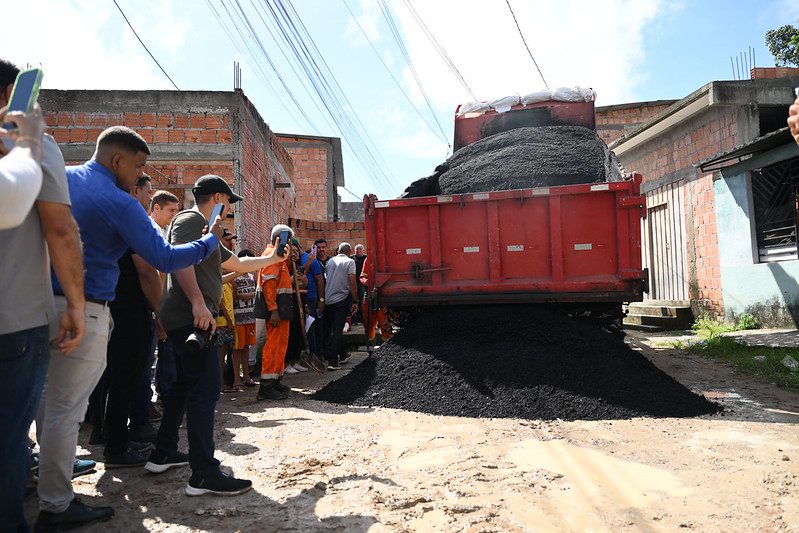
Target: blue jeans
{"points": [[24, 356], [194, 393]]}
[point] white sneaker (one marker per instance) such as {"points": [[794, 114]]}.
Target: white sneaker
{"points": [[290, 370], [299, 368]]}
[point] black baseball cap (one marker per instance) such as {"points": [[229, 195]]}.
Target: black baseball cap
{"points": [[211, 184]]}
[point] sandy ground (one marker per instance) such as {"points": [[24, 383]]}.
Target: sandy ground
{"points": [[319, 467]]}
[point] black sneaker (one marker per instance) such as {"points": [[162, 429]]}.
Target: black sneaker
{"points": [[160, 462], [76, 515], [124, 460], [333, 365], [219, 485]]}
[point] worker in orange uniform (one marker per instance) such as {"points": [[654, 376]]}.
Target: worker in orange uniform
{"points": [[278, 295], [374, 318]]}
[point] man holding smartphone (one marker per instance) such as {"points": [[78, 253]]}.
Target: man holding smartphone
{"points": [[28, 308], [279, 297], [110, 222], [191, 299]]}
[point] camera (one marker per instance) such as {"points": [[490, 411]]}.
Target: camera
{"points": [[198, 339]]}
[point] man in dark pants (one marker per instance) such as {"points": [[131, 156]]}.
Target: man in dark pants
{"points": [[110, 222], [341, 293], [138, 292], [191, 298], [314, 299]]}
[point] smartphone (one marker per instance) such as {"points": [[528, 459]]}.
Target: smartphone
{"points": [[25, 92], [313, 249], [281, 246], [215, 213]]}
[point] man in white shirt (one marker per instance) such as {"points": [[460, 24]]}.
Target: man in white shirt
{"points": [[341, 297]]}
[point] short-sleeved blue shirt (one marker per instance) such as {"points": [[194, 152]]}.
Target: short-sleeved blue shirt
{"points": [[111, 221], [314, 270]]}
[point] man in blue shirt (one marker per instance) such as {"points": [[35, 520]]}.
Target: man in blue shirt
{"points": [[315, 304], [110, 222]]}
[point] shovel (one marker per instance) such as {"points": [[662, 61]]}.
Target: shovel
{"points": [[307, 358]]}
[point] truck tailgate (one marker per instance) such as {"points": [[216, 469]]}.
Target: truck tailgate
{"points": [[576, 243]]}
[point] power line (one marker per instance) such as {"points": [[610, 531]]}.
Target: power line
{"points": [[352, 193], [525, 44], [396, 81], [144, 45], [440, 49], [333, 97], [401, 44]]}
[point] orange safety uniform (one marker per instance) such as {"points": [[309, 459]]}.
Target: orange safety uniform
{"points": [[372, 319], [275, 279]]}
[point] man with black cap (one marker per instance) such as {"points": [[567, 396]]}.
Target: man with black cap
{"points": [[191, 299]]}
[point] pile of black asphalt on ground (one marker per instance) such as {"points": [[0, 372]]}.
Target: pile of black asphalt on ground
{"points": [[513, 361], [519, 159]]}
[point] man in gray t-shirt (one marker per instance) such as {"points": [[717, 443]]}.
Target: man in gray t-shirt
{"points": [[341, 297], [191, 299], [28, 307]]}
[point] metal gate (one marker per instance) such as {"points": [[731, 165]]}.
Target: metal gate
{"points": [[663, 240]]}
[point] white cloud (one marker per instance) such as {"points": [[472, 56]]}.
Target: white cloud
{"points": [[419, 145], [596, 44], [85, 44], [368, 20]]}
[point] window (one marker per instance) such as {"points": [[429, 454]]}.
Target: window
{"points": [[774, 194]]}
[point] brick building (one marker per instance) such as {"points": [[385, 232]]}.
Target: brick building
{"points": [[680, 234], [192, 133], [613, 121]]}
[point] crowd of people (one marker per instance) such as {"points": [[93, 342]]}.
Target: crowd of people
{"points": [[105, 280]]}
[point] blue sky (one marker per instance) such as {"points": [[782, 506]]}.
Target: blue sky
{"points": [[627, 50]]}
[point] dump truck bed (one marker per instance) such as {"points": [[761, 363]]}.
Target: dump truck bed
{"points": [[575, 243]]}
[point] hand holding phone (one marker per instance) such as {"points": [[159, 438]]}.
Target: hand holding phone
{"points": [[215, 223], [24, 94], [281, 245]]}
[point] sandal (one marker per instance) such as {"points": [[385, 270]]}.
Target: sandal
{"points": [[250, 383], [230, 390]]}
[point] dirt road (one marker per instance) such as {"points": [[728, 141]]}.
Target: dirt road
{"points": [[318, 466]]}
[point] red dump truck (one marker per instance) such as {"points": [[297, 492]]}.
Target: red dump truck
{"points": [[565, 244]]}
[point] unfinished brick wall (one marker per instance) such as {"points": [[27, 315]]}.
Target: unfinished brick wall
{"points": [[199, 128], [311, 174], [675, 154], [697, 141], [705, 283], [307, 231], [762, 73], [613, 121], [190, 134]]}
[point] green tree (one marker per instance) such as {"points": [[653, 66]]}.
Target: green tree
{"points": [[783, 43]]}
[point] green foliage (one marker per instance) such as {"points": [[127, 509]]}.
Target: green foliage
{"points": [[771, 370], [746, 321], [783, 43], [709, 328]]}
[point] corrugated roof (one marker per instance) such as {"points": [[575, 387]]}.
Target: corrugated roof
{"points": [[761, 144]]}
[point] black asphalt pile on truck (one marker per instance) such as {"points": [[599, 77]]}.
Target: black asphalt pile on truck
{"points": [[513, 361], [522, 158]]}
